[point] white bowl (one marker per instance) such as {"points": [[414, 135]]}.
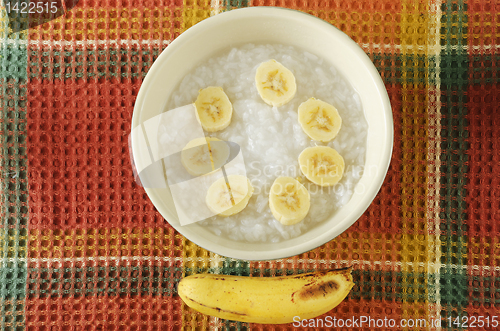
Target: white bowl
{"points": [[281, 26]]}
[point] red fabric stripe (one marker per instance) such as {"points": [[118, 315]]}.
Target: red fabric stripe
{"points": [[79, 166]]}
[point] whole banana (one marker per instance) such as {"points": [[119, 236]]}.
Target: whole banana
{"points": [[266, 300]]}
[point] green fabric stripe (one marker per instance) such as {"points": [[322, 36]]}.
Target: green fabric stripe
{"points": [[235, 267], [485, 69], [417, 68], [120, 62], [393, 286], [92, 64], [13, 184], [485, 291], [454, 80], [157, 280], [236, 326], [233, 4], [12, 288], [118, 280]]}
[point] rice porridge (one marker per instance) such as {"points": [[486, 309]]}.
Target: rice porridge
{"points": [[271, 138]]}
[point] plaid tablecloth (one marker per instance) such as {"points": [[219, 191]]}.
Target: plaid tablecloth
{"points": [[83, 248]]}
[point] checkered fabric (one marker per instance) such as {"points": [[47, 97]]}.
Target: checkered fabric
{"points": [[83, 248]]}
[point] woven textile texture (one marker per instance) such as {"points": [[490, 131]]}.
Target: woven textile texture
{"points": [[83, 248]]}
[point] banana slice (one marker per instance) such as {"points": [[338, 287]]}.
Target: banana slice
{"points": [[289, 200], [200, 157], [226, 199], [319, 120], [322, 165], [213, 109], [275, 83]]}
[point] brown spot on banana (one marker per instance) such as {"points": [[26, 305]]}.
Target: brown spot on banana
{"points": [[313, 290], [317, 290]]}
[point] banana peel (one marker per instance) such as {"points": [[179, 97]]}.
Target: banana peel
{"points": [[266, 300]]}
